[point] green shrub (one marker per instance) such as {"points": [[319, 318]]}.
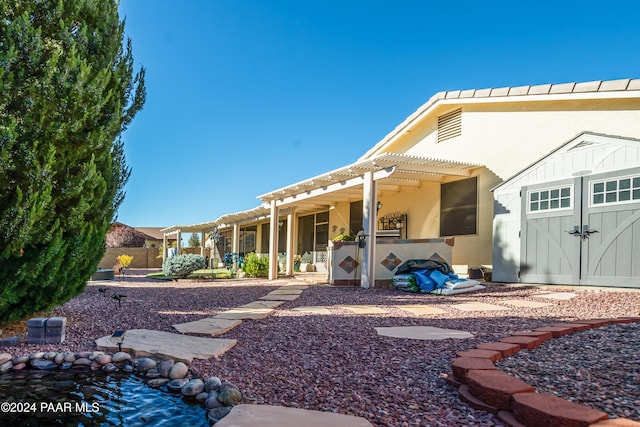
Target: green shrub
{"points": [[344, 238], [256, 265], [183, 265]]}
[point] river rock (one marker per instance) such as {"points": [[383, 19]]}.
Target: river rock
{"points": [[229, 394], [5, 357], [176, 385], [21, 359], [145, 363], [193, 387], [94, 354], [50, 355], [212, 401], [109, 367], [179, 370], [216, 414], [36, 355], [59, 359], [70, 357], [6, 367], [43, 364], [152, 373], [157, 382], [120, 356], [95, 366], [83, 354], [83, 361], [127, 368], [103, 359], [202, 397], [165, 367], [212, 384], [19, 366], [66, 365]]}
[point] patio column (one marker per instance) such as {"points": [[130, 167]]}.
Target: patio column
{"points": [[367, 277], [202, 243], [291, 240], [164, 247], [178, 243], [235, 245], [273, 242]]}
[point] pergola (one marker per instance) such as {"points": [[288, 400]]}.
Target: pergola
{"points": [[358, 180]]}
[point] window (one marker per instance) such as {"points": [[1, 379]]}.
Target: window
{"points": [[615, 190], [550, 199], [459, 207], [450, 125]]}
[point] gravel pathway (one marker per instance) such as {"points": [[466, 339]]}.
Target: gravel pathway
{"points": [[335, 362], [566, 367]]}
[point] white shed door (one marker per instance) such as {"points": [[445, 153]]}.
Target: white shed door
{"points": [[582, 231]]}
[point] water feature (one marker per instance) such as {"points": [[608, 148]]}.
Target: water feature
{"points": [[81, 398]]}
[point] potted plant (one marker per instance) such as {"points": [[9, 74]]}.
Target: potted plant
{"points": [[297, 259]]}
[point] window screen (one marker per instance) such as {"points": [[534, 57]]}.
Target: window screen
{"points": [[459, 207]]}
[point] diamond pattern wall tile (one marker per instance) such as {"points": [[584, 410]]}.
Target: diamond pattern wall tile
{"points": [[348, 264], [391, 261]]}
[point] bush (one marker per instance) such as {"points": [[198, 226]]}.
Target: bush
{"points": [[256, 265], [344, 238], [183, 265]]}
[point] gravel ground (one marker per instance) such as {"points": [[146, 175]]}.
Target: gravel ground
{"points": [[565, 367], [336, 362]]}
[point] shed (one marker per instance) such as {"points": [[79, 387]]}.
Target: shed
{"points": [[572, 217]]}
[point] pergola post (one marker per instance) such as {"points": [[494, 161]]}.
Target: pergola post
{"points": [[367, 275], [202, 243], [164, 247], [273, 242], [291, 240], [235, 245], [179, 242]]}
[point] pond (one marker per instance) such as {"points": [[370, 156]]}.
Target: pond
{"points": [[67, 398]]}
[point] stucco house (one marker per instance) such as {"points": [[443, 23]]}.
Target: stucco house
{"points": [[427, 186]]}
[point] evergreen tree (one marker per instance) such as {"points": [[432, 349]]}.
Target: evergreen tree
{"points": [[194, 240], [67, 92]]}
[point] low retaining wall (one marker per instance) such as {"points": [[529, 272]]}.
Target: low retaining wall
{"points": [[345, 258]]}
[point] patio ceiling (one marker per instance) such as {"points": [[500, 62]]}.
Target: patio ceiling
{"points": [[391, 172]]}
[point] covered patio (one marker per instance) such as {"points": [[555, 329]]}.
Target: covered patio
{"points": [[372, 181]]}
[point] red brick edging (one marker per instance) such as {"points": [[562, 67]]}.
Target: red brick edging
{"points": [[517, 404]]}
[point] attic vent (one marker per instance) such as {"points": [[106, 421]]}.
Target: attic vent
{"points": [[450, 125]]}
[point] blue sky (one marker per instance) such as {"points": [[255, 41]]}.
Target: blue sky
{"points": [[247, 96]]}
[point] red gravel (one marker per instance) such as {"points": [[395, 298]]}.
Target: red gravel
{"points": [[331, 362]]}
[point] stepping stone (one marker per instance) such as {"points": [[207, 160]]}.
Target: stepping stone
{"points": [[562, 296], [421, 310], [313, 309], [278, 416], [280, 297], [525, 303], [478, 306], [263, 304], [245, 313], [364, 309], [422, 333], [285, 291], [166, 345], [208, 326]]}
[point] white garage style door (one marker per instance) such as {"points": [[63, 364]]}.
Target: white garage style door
{"points": [[583, 231]]}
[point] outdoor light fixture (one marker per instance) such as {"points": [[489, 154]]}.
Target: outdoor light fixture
{"points": [[378, 206], [103, 291], [118, 338], [118, 297]]}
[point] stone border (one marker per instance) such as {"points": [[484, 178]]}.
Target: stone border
{"points": [[217, 397], [516, 403]]}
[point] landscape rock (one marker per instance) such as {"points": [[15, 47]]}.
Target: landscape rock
{"points": [[157, 382], [212, 401], [212, 384], [229, 394], [193, 387], [145, 363], [176, 385], [120, 356], [179, 370], [165, 367], [216, 414], [103, 359], [5, 357]]}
